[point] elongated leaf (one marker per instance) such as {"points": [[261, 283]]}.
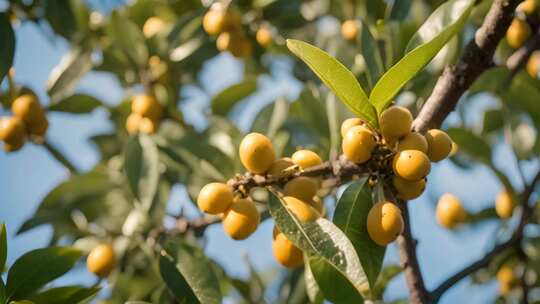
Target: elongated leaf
{"points": [[332, 258], [76, 104], [67, 73], [387, 274], [2, 291], [372, 55], [312, 289], [337, 77], [7, 51], [351, 217], [447, 20], [175, 281], [65, 295], [3, 247], [471, 144], [38, 267], [67, 196], [129, 38], [141, 163], [60, 16], [224, 101]]}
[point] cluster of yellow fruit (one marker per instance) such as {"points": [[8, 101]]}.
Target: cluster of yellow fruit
{"points": [[519, 31], [145, 115], [226, 23], [28, 119], [240, 215], [507, 279], [101, 260], [349, 29]]}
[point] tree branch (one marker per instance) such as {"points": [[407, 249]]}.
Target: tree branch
{"points": [[59, 157], [476, 59]]}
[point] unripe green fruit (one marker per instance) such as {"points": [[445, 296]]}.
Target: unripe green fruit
{"points": [[279, 166], [302, 210], [408, 190], [395, 122], [504, 205], [358, 144], [413, 141], [449, 211], [349, 123], [439, 145], [242, 219], [302, 187], [518, 32], [285, 252], [257, 153], [384, 223], [306, 159], [411, 165], [101, 260], [215, 198]]}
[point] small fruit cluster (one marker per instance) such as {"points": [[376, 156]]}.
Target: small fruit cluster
{"points": [[240, 215], [28, 119], [226, 23], [520, 30], [101, 260], [145, 115], [506, 275]]}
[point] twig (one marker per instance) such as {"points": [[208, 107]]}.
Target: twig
{"points": [[477, 57], [59, 157]]}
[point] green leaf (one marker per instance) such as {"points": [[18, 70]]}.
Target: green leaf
{"points": [[387, 274], [2, 291], [225, 100], [3, 247], [66, 74], [372, 55], [337, 77], [69, 195], [312, 289], [7, 51], [65, 295], [446, 21], [493, 121], [351, 217], [141, 164], [76, 104], [271, 118], [61, 18], [191, 277], [332, 258], [129, 38], [471, 144], [38, 267]]}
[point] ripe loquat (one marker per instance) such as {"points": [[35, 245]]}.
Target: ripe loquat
{"points": [[439, 145], [214, 21], [101, 260], [518, 32], [242, 219], [533, 64], [12, 130], [148, 125], [349, 30], [215, 198], [39, 127], [408, 190], [27, 108], [384, 223], [153, 26], [146, 106], [264, 36], [133, 122], [302, 210], [358, 144], [411, 165], [413, 141], [395, 122], [279, 166], [285, 252], [306, 159], [349, 123], [256, 153], [504, 205], [449, 211], [506, 274], [528, 7], [302, 187]]}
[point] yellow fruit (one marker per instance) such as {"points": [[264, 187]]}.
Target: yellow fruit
{"points": [[384, 223], [257, 153], [242, 219], [285, 252], [318, 205], [303, 188], [39, 128], [455, 149], [14, 146], [533, 64], [132, 123], [264, 36], [505, 289], [358, 144], [215, 198], [408, 190], [349, 30], [302, 210], [413, 141], [449, 211], [224, 41], [349, 123], [518, 32], [306, 159], [439, 145], [242, 48], [153, 26], [214, 21], [12, 130], [27, 108], [528, 7], [279, 166], [395, 122], [101, 260], [411, 165], [506, 274], [504, 205], [146, 106], [148, 125]]}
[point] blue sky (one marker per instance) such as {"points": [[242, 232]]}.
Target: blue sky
{"points": [[28, 175]]}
